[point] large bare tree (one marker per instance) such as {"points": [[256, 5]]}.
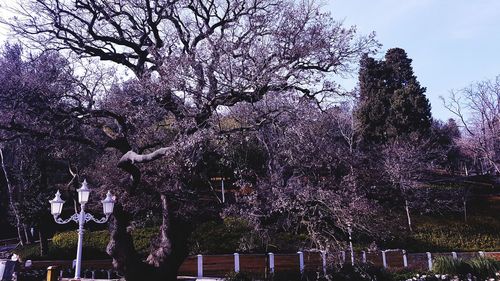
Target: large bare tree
{"points": [[192, 59], [478, 109], [311, 183], [405, 162]]}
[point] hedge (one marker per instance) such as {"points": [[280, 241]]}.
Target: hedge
{"points": [[63, 245]]}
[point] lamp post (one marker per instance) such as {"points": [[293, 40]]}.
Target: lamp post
{"points": [[81, 218]]}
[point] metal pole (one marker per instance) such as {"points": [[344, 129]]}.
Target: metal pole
{"points": [[81, 222]]}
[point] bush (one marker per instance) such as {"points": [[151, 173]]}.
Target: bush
{"points": [[448, 265], [238, 276], [484, 267], [97, 240], [404, 274], [216, 237], [446, 234], [361, 272], [142, 239], [481, 267], [63, 245]]}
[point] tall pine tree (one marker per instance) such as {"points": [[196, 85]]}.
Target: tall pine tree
{"points": [[392, 103]]}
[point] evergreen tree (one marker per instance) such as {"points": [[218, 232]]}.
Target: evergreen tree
{"points": [[392, 102]]}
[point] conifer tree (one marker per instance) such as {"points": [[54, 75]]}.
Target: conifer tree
{"points": [[392, 102]]}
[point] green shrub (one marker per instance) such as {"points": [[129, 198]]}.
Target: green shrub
{"points": [[446, 234], [69, 239], [404, 274], [28, 252], [287, 242], [63, 245], [484, 267], [142, 239], [238, 276], [448, 265], [360, 272], [481, 267], [219, 237]]}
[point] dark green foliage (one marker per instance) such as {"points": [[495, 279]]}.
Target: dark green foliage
{"points": [[392, 103], [236, 235], [404, 274], [216, 237], [448, 265], [238, 276], [361, 272], [484, 267], [287, 242], [63, 245], [438, 234], [479, 267], [445, 135]]}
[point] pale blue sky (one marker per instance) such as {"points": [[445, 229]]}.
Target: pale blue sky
{"points": [[452, 42]]}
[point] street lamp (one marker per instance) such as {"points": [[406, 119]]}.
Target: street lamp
{"points": [[56, 205]]}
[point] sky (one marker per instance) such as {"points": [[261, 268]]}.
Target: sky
{"points": [[453, 43]]}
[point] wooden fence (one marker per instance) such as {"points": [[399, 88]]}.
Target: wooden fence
{"points": [[263, 264]]}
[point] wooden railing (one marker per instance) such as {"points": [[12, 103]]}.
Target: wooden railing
{"points": [[220, 265]]}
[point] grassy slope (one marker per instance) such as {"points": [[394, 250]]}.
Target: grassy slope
{"points": [[452, 233]]}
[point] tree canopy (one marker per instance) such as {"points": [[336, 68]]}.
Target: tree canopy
{"points": [[392, 102]]}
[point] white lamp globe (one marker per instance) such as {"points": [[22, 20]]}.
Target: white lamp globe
{"points": [[56, 204], [83, 193], [108, 204]]}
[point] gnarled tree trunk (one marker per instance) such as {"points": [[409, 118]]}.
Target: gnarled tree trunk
{"points": [[168, 250]]}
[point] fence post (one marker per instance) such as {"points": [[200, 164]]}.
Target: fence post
{"points": [[481, 254], [364, 256], [454, 255], [236, 262], [200, 266], [384, 259], [323, 261], [51, 273], [405, 259], [429, 260], [301, 261], [271, 263]]}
